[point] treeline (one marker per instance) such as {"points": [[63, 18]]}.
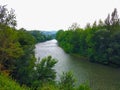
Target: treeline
{"points": [[17, 60], [40, 36], [99, 42]]}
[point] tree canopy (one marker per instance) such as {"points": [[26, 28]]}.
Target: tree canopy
{"points": [[99, 42]]}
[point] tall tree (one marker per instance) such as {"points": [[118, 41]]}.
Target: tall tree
{"points": [[25, 64], [74, 26], [107, 20], [114, 17], [10, 48], [7, 17]]}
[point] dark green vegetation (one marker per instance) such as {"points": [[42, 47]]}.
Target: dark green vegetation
{"points": [[99, 42], [41, 36], [6, 83], [17, 60], [51, 33]]}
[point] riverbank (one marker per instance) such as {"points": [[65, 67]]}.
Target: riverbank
{"points": [[87, 59], [80, 56]]}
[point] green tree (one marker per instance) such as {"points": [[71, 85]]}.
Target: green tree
{"points": [[114, 17], [74, 26], [44, 71], [7, 17], [25, 64], [67, 81], [114, 48], [100, 43], [10, 49], [38, 36]]}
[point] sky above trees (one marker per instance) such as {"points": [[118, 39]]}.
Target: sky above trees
{"points": [[59, 14]]}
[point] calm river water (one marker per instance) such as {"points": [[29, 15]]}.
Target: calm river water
{"points": [[98, 76]]}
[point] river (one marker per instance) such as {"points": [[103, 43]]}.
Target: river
{"points": [[99, 77]]}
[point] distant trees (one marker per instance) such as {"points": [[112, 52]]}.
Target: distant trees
{"points": [[99, 42], [40, 36]]}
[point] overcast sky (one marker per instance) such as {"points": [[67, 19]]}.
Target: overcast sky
{"points": [[59, 14]]}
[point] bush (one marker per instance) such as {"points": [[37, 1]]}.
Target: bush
{"points": [[67, 81], [44, 71]]}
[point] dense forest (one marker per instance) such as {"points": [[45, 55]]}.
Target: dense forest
{"points": [[99, 42], [41, 36], [18, 67]]}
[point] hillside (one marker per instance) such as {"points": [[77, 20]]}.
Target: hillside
{"points": [[7, 83]]}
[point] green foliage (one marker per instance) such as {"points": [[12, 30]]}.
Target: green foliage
{"points": [[16, 48], [63, 37], [100, 43], [25, 38], [48, 86], [40, 36], [6, 83], [25, 64], [10, 49], [83, 87], [44, 71], [67, 81]]}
